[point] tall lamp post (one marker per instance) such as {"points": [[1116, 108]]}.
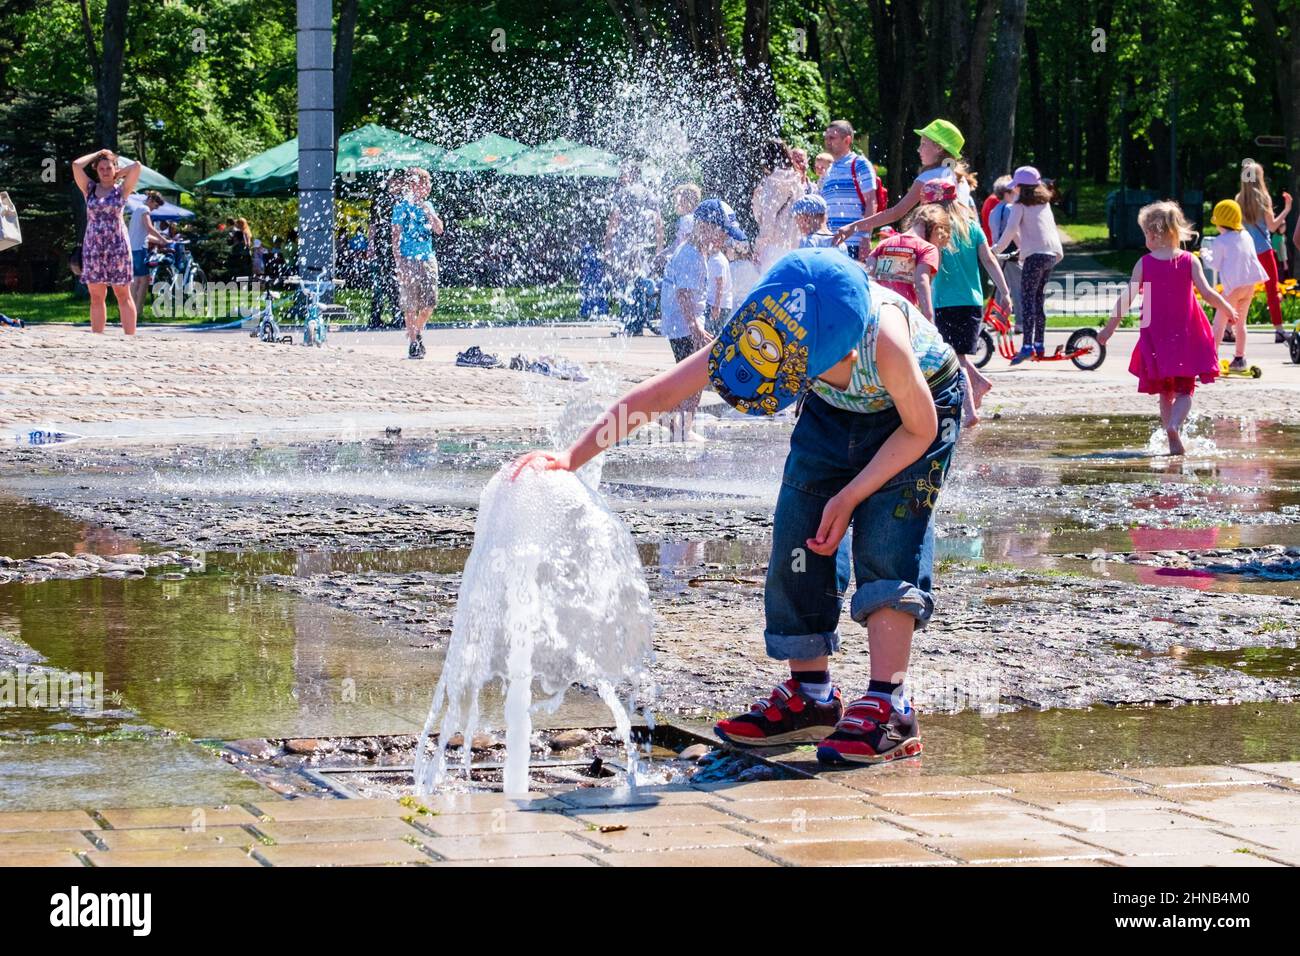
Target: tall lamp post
{"points": [[315, 139]]}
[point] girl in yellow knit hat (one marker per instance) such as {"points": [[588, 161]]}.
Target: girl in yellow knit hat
{"points": [[1239, 270]]}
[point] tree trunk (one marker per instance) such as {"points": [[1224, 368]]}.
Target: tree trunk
{"points": [[343, 44], [107, 68], [1004, 88], [968, 87]]}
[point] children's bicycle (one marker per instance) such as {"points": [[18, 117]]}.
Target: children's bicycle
{"points": [[1083, 348], [1294, 344]]}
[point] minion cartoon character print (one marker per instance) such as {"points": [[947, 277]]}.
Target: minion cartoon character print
{"points": [[759, 363], [922, 495]]}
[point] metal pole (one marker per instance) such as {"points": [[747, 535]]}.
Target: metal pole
{"points": [[315, 139], [1173, 142]]}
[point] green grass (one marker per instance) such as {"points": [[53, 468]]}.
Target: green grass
{"points": [[457, 305]]}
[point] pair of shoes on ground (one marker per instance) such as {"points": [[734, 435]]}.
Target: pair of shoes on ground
{"points": [[474, 357], [875, 728], [551, 365], [416, 349]]}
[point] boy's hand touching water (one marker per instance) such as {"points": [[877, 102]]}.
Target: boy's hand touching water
{"points": [[541, 461]]}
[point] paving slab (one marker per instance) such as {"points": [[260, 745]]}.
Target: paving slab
{"points": [[492, 846], [706, 856], [1283, 838], [1056, 782], [1196, 859], [779, 790], [1172, 842], [336, 831], [218, 857], [488, 803], [41, 858], [635, 839], [1094, 799], [44, 840], [1050, 846], [828, 808], [917, 805], [293, 811], [1287, 770], [500, 821], [667, 815], [177, 838], [15, 820], [1195, 776], [177, 817], [816, 831], [370, 853], [627, 797], [980, 824], [856, 853], [883, 782], [547, 861], [1102, 819]]}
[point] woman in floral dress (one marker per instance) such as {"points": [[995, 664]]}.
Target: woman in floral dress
{"points": [[105, 249]]}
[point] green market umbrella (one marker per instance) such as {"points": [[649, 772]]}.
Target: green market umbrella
{"points": [[378, 149], [370, 148], [563, 157], [151, 178], [273, 172], [486, 152]]}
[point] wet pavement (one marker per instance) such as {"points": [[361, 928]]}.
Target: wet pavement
{"points": [[1087, 584]]}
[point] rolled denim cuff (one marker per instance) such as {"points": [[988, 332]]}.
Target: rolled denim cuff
{"points": [[801, 647], [899, 595]]}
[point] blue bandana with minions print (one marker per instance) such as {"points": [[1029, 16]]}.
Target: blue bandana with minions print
{"points": [[804, 315]]}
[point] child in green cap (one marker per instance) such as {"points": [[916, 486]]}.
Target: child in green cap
{"points": [[940, 151]]}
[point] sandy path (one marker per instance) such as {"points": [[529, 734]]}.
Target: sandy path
{"points": [[226, 382]]}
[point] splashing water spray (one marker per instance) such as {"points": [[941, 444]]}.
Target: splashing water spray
{"points": [[553, 594]]}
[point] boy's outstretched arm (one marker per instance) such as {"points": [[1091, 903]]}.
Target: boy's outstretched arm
{"points": [[656, 395]]}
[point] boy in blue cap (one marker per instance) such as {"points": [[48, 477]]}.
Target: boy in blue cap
{"points": [[881, 397], [810, 213]]}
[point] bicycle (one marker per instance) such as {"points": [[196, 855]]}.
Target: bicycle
{"points": [[175, 267], [316, 318]]}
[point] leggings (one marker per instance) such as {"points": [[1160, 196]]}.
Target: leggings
{"points": [[1269, 262], [1034, 273]]}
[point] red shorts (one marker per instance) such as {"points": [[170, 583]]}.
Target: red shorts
{"points": [[1178, 384]]}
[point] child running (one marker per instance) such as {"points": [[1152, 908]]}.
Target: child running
{"points": [[881, 396], [1176, 344], [907, 261], [1239, 271], [1257, 215], [1032, 227]]}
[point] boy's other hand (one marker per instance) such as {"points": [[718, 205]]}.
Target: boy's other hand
{"points": [[835, 521], [541, 461]]}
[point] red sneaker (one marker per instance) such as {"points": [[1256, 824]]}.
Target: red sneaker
{"points": [[873, 730], [789, 716]]}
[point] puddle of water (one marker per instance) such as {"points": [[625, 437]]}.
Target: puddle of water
{"points": [[217, 655], [1255, 661], [95, 774], [29, 530], [1096, 739]]}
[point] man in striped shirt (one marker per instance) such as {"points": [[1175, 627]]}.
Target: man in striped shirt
{"points": [[849, 186]]}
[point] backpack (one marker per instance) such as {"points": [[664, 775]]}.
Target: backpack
{"points": [[882, 194]]}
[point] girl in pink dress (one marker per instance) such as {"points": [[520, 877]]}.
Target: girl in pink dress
{"points": [[1176, 344], [105, 248]]}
